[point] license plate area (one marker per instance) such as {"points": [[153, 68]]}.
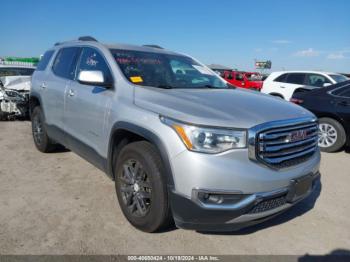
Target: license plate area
{"points": [[299, 187]]}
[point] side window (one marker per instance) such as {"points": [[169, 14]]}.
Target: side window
{"points": [[91, 60], [317, 80], [44, 60], [239, 77], [229, 75], [296, 78], [344, 91], [65, 62], [282, 78]]}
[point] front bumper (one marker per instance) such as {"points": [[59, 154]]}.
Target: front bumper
{"points": [[247, 210]]}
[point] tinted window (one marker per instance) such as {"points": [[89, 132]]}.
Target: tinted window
{"points": [[44, 61], [339, 78], [16, 71], [316, 80], [239, 77], [296, 78], [281, 78], [65, 62], [91, 60], [343, 91]]}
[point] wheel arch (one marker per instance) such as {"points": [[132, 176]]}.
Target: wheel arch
{"points": [[124, 133], [34, 100], [277, 94]]}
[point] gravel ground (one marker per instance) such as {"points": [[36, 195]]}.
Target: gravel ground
{"points": [[59, 204]]}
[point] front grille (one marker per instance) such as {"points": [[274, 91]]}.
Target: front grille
{"points": [[281, 147], [268, 204]]}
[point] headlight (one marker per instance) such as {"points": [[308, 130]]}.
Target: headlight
{"points": [[207, 139]]}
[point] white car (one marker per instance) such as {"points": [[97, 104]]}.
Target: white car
{"points": [[14, 89], [283, 84]]}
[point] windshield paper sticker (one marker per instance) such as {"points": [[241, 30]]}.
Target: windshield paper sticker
{"points": [[136, 79]]}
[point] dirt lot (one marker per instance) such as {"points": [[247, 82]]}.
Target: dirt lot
{"points": [[60, 204]]}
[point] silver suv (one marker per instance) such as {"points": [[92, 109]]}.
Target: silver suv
{"points": [[181, 144]]}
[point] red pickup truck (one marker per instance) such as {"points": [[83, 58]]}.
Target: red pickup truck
{"points": [[250, 80]]}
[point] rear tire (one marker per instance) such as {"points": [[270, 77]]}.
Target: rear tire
{"points": [[41, 140], [332, 136], [141, 187]]}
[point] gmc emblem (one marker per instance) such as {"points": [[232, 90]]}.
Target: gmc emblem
{"points": [[297, 135]]}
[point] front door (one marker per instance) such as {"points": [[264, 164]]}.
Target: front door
{"points": [[87, 106]]}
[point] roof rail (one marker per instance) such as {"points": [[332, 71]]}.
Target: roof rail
{"points": [[87, 38], [81, 38], [154, 46]]}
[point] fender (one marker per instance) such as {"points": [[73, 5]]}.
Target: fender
{"points": [[148, 135]]}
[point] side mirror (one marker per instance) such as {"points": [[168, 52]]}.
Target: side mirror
{"points": [[326, 84], [95, 78]]}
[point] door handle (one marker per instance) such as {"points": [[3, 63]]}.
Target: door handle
{"points": [[43, 85], [282, 87], [71, 92]]}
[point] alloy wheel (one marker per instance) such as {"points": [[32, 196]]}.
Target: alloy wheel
{"points": [[327, 135], [135, 188], [37, 130]]}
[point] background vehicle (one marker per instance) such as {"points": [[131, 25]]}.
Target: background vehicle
{"points": [[283, 84], [14, 89], [332, 106], [250, 80], [178, 141]]}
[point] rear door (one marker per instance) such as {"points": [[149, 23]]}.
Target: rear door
{"points": [[40, 75], [292, 82], [59, 78], [87, 106]]}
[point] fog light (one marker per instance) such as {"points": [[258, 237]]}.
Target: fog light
{"points": [[216, 198]]}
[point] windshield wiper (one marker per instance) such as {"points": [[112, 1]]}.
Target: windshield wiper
{"points": [[213, 87], [165, 86]]}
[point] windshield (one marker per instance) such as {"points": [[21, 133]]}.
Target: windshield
{"points": [[339, 78], [165, 71], [15, 71]]}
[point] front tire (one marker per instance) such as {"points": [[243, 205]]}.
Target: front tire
{"points": [[332, 136], [141, 187], [41, 140]]}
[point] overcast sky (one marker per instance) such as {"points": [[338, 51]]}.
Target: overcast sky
{"points": [[294, 34]]}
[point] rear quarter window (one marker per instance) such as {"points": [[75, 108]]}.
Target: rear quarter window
{"points": [[281, 78], [343, 91], [44, 60]]}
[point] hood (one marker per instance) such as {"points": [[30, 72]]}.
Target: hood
{"points": [[217, 107], [18, 83]]}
